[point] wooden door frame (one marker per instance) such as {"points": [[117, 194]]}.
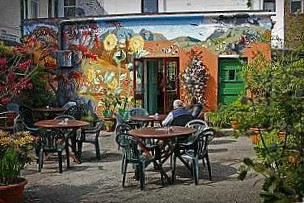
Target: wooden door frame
{"points": [[165, 71]]}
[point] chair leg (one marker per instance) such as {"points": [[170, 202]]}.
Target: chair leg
{"points": [[97, 150], [79, 143], [209, 166], [123, 160], [174, 167], [142, 176], [40, 160], [60, 161], [195, 166], [67, 153], [125, 163]]}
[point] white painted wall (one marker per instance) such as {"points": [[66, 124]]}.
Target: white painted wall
{"points": [[10, 19], [122, 6], [202, 5], [278, 29]]}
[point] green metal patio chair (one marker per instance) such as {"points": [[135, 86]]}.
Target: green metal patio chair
{"points": [[133, 148], [51, 140], [195, 149]]}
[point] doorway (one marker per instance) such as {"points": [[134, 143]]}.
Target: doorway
{"points": [[156, 84], [231, 84]]}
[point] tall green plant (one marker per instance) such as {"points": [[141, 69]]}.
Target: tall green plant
{"points": [[277, 99]]}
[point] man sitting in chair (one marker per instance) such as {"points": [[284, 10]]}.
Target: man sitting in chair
{"points": [[179, 110]]}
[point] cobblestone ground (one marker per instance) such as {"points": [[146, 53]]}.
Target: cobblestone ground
{"points": [[100, 181]]}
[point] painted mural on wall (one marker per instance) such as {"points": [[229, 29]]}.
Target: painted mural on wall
{"points": [[105, 50]]}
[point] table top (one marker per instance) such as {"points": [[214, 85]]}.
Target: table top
{"points": [[60, 124], [149, 118], [49, 109], [162, 133]]}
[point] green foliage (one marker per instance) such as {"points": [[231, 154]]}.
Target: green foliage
{"points": [[277, 102], [15, 153], [223, 116]]}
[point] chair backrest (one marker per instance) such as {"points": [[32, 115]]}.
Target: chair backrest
{"points": [[122, 128], [26, 115], [13, 107], [95, 129], [51, 138], [77, 111], [63, 117], [129, 144], [9, 118], [204, 139], [198, 124], [196, 110], [181, 120], [138, 112], [69, 104]]}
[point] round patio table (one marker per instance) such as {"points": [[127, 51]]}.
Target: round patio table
{"points": [[167, 136], [149, 118], [162, 133], [70, 127], [58, 123]]}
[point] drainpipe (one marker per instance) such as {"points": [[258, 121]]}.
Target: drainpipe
{"points": [[21, 17]]}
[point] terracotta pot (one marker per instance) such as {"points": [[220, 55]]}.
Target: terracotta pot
{"points": [[13, 193], [282, 136], [234, 124], [255, 136]]}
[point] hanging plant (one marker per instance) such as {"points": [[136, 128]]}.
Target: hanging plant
{"points": [[195, 79]]}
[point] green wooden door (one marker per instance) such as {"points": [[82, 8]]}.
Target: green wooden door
{"points": [[230, 81]]}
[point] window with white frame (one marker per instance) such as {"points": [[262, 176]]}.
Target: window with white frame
{"points": [[296, 6], [69, 8], [149, 6], [34, 8], [269, 5]]}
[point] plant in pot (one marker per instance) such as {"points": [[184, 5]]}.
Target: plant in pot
{"points": [[15, 152]]}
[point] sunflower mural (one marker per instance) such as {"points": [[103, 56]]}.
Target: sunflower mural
{"points": [[107, 77]]}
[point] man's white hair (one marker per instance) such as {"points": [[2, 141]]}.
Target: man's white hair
{"points": [[177, 104]]}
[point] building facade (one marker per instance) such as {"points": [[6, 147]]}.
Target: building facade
{"points": [[151, 52]]}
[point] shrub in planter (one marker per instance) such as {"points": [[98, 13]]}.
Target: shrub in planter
{"points": [[15, 153]]}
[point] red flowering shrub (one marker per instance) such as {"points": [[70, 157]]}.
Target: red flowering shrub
{"points": [[15, 71]]}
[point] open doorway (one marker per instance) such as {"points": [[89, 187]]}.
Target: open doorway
{"points": [[156, 84]]}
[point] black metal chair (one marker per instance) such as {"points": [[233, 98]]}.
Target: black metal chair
{"points": [[8, 121], [51, 140], [27, 118], [196, 148], [139, 112], [133, 148], [77, 111], [182, 120], [90, 135]]}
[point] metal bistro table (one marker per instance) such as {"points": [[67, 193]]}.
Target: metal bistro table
{"points": [[69, 128], [149, 119], [166, 136]]}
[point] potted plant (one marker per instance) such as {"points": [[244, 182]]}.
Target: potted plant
{"points": [[15, 152]]}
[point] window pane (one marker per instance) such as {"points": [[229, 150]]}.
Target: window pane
{"points": [[34, 9], [296, 6], [69, 12], [231, 74], [269, 5], [69, 3], [149, 6]]}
